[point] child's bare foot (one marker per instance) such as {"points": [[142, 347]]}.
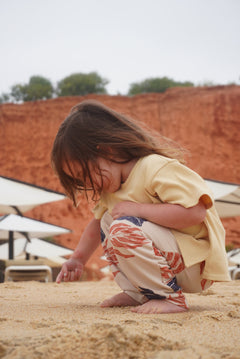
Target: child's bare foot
{"points": [[119, 300], [158, 306]]}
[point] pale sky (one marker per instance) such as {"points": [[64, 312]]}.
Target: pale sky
{"points": [[125, 41]]}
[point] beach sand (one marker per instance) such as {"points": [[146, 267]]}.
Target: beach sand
{"points": [[47, 320]]}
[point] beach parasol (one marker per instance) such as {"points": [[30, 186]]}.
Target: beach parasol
{"points": [[226, 196], [13, 226], [18, 196], [37, 247]]}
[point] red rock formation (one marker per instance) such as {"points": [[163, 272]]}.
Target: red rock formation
{"points": [[206, 121]]}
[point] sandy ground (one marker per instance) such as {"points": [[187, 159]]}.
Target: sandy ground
{"points": [[46, 320]]}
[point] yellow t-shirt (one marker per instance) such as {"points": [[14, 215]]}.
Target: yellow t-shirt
{"points": [[158, 179]]}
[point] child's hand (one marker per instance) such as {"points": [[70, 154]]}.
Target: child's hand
{"points": [[126, 208], [71, 271]]}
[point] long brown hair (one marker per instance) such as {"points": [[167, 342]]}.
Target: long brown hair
{"points": [[90, 131]]}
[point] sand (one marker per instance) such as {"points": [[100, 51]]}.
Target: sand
{"points": [[47, 320]]}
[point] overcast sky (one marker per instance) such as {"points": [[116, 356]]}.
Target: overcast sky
{"points": [[125, 41]]}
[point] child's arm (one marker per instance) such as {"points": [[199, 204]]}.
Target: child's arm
{"points": [[89, 241], [167, 215]]}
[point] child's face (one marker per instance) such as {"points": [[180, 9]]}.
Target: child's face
{"points": [[111, 175], [108, 177]]}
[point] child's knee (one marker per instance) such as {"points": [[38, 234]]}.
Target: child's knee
{"points": [[117, 232], [126, 232]]}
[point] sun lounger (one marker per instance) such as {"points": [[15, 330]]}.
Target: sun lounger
{"points": [[236, 273], [234, 263], [28, 272]]}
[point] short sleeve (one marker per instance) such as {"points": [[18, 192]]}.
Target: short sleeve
{"points": [[177, 184], [99, 210]]}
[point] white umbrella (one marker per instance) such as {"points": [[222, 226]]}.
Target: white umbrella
{"points": [[13, 226], [18, 197], [227, 198], [37, 247], [42, 248]]}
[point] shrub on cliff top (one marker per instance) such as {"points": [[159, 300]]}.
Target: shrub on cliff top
{"points": [[82, 84], [158, 84], [38, 88]]}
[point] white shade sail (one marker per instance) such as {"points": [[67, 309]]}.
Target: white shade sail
{"points": [[20, 225], [227, 198], [37, 247], [17, 195]]}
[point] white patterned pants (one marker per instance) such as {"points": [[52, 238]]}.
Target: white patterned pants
{"points": [[146, 261]]}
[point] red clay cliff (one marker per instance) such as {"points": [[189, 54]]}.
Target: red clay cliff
{"points": [[205, 121]]}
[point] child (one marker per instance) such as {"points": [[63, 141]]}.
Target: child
{"points": [[155, 217]]}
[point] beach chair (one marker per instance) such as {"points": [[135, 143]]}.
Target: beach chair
{"points": [[236, 273], [234, 263], [26, 271]]}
